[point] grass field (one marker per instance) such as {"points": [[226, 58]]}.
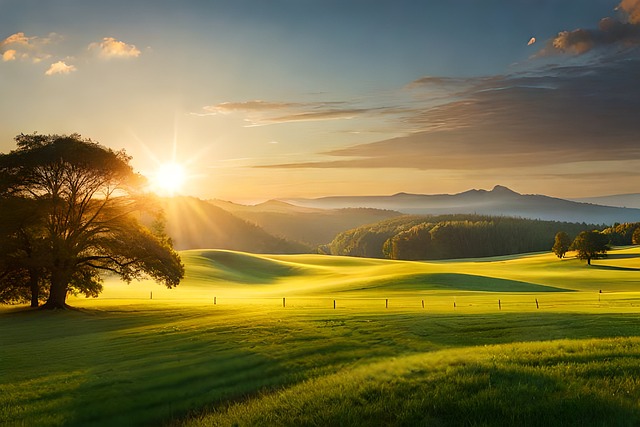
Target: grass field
{"points": [[378, 358]]}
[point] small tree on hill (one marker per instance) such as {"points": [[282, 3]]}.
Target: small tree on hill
{"points": [[591, 245], [83, 202], [562, 244], [635, 239]]}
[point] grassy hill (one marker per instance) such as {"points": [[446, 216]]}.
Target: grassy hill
{"points": [[313, 227], [193, 223], [179, 359]]}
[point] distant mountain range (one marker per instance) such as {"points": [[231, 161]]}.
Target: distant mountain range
{"points": [[302, 225], [619, 200], [499, 201]]}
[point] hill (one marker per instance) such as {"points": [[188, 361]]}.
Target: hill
{"points": [[193, 223], [619, 200], [310, 226], [499, 201]]}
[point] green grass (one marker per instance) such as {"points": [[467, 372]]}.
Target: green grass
{"points": [[126, 359]]}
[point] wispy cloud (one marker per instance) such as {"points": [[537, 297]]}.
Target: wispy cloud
{"points": [[553, 115], [109, 48], [260, 113], [60, 67]]}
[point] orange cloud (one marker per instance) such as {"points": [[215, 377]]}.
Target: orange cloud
{"points": [[9, 55], [632, 7], [19, 46], [109, 47], [60, 67]]}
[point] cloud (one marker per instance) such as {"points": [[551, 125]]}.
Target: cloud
{"points": [[632, 8], [60, 67], [109, 47], [554, 115], [18, 46], [623, 31], [260, 113], [9, 55]]}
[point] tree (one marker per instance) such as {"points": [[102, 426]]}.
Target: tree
{"points": [[87, 207], [562, 244], [591, 245], [635, 239], [21, 251]]}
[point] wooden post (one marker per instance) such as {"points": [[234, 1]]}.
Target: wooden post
{"points": [[151, 295], [422, 303], [499, 305], [386, 303], [537, 306], [284, 302], [334, 304], [215, 300]]}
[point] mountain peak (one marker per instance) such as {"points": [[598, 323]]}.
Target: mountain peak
{"points": [[500, 189]]}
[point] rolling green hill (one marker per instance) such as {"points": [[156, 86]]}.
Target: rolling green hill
{"points": [[180, 357]]}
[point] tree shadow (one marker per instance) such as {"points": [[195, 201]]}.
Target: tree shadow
{"points": [[622, 256], [614, 267]]}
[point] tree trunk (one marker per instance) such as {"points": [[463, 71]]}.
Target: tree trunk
{"points": [[34, 280], [588, 261], [58, 291]]}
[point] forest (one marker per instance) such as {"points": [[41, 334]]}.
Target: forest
{"points": [[414, 237]]}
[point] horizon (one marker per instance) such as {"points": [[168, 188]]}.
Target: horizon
{"points": [[255, 101]]}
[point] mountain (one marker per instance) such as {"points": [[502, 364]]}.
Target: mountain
{"points": [[499, 201], [310, 226], [619, 200], [196, 224]]}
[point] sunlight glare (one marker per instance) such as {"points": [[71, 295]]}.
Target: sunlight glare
{"points": [[169, 178]]}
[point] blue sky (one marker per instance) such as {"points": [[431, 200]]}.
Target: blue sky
{"points": [[291, 98]]}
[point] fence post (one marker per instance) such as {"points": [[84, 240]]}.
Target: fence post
{"points": [[499, 305], [386, 303], [284, 304], [334, 304], [151, 295], [422, 303], [215, 300], [537, 306]]}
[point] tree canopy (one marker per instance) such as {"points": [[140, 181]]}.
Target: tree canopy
{"points": [[72, 208], [591, 245], [561, 244]]}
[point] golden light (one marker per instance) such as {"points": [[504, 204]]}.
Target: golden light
{"points": [[169, 178]]}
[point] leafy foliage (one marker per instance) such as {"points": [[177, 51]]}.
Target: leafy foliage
{"points": [[450, 236], [622, 234], [70, 210], [562, 244], [591, 245]]}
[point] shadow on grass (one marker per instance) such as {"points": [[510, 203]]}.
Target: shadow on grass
{"points": [[613, 267], [460, 282]]}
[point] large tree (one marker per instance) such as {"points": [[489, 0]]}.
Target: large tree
{"points": [[591, 245], [87, 208], [561, 244]]}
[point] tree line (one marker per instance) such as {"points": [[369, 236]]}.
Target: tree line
{"points": [[414, 237], [70, 209]]}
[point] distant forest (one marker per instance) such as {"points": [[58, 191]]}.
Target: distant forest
{"points": [[414, 237]]}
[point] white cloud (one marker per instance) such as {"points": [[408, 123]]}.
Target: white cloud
{"points": [[109, 47], [60, 67]]}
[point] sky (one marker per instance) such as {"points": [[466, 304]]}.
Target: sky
{"points": [[262, 99]]}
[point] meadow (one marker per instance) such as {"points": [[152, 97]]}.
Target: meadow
{"points": [[255, 340]]}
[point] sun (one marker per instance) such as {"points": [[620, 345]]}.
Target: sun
{"points": [[169, 178]]}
